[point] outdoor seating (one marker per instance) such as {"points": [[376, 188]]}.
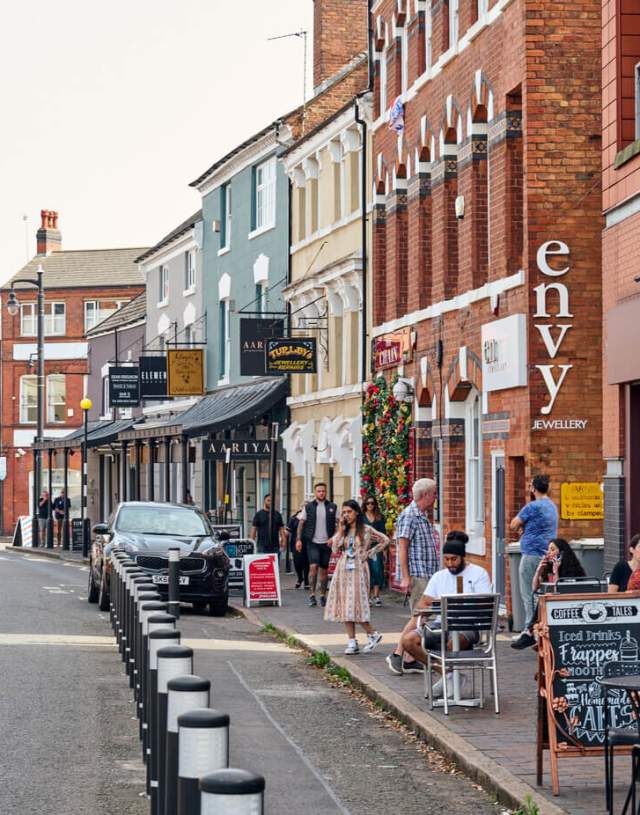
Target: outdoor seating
{"points": [[628, 737], [465, 613]]}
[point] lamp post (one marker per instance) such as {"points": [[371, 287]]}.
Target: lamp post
{"points": [[13, 307], [86, 404]]}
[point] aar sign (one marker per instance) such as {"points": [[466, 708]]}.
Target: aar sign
{"points": [[253, 334], [124, 386], [291, 356]]}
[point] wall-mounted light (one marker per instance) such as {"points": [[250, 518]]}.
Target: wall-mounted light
{"points": [[459, 207]]}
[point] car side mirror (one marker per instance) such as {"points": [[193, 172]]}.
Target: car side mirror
{"points": [[100, 529]]}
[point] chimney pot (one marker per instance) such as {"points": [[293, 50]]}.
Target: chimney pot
{"points": [[48, 237]]}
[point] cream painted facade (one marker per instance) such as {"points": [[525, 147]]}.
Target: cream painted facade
{"points": [[323, 440]]}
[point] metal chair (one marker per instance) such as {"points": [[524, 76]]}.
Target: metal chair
{"points": [[464, 613]]}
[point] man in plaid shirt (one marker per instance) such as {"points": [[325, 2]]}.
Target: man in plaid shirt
{"points": [[417, 558]]}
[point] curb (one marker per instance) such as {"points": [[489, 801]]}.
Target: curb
{"points": [[43, 552], [494, 778]]}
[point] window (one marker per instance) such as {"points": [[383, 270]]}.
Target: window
{"points": [[261, 298], [163, 289], [225, 339], [56, 398], [28, 399], [54, 319], [190, 270], [383, 83], [95, 311], [428, 26], [265, 194], [354, 180], [338, 170], [225, 216], [28, 326], [188, 336], [473, 444], [302, 213], [404, 45], [314, 204], [90, 314], [453, 22]]}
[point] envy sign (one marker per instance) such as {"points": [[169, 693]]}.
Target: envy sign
{"points": [[553, 375]]}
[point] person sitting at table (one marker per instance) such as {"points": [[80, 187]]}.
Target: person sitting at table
{"points": [[475, 580], [559, 561], [623, 569]]}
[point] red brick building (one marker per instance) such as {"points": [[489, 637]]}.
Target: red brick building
{"points": [[81, 288], [621, 271], [486, 250]]}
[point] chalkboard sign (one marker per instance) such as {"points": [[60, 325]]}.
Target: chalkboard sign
{"points": [[76, 535], [583, 640]]}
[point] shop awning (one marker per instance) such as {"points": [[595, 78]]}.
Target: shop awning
{"points": [[233, 406], [99, 432]]}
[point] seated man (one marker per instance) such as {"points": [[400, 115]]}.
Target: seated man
{"points": [[475, 580]]}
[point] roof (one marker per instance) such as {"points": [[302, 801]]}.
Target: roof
{"points": [[185, 226], [132, 312], [82, 268], [99, 432], [320, 127]]}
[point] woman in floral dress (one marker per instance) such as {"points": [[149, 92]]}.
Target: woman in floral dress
{"points": [[348, 600]]}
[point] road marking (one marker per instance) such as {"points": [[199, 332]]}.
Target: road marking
{"points": [[57, 639], [236, 645], [300, 752]]}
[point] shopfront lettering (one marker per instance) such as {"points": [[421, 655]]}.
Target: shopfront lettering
{"points": [[559, 424]]}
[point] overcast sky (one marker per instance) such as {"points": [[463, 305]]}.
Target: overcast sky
{"points": [[109, 110]]}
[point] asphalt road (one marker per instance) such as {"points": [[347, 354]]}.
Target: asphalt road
{"points": [[71, 745]]}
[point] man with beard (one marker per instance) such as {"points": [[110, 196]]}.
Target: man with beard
{"points": [[475, 580]]}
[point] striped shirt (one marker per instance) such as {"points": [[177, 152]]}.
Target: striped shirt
{"points": [[423, 549]]}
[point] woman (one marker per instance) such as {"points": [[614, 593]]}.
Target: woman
{"points": [[559, 561], [300, 559], [623, 570], [348, 600], [373, 517]]}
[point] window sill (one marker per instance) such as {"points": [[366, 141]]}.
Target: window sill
{"points": [[223, 381], [189, 292], [629, 152], [260, 231], [162, 304], [224, 251]]}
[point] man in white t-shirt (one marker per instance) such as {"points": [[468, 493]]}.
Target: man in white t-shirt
{"points": [[475, 580]]}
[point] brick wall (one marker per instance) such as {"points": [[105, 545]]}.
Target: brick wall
{"points": [[339, 33]]}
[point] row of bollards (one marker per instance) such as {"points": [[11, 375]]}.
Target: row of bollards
{"points": [[185, 743]]}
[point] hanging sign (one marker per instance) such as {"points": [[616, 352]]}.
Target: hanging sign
{"points": [[261, 579], [153, 377], [124, 386], [216, 449], [391, 350], [581, 501], [295, 355], [253, 334], [185, 372]]}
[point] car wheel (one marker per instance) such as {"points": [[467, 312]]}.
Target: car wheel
{"points": [[200, 606], [218, 608], [92, 589], [103, 597]]}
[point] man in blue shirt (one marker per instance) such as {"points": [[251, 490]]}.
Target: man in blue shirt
{"points": [[537, 523]]}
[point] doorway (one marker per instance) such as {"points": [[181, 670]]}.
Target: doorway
{"points": [[498, 525]]}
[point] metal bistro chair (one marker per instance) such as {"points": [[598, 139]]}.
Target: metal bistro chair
{"points": [[465, 612]]}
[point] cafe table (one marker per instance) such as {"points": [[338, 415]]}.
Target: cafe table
{"points": [[631, 685]]}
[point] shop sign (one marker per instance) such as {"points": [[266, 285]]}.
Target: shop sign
{"points": [[295, 355], [185, 372], [261, 579], [218, 449], [124, 386], [253, 334], [391, 350], [504, 353], [581, 501], [153, 377]]}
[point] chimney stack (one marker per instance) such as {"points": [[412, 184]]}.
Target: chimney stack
{"points": [[48, 237], [340, 31]]}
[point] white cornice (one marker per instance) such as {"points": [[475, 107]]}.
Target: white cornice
{"points": [[181, 244], [320, 140]]}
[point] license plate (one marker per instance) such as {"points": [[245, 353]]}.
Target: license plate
{"points": [[164, 578]]}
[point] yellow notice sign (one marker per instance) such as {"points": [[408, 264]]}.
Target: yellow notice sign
{"points": [[185, 372], [581, 501]]}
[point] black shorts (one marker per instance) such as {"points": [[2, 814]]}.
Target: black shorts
{"points": [[320, 554]]}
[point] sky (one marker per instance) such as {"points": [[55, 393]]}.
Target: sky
{"points": [[111, 109]]}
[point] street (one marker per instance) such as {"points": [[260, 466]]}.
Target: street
{"points": [[71, 744]]}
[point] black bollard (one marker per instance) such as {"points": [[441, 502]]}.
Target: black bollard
{"points": [[147, 609], [142, 597], [172, 661], [203, 748], [138, 580], [119, 589], [174, 581], [232, 792], [129, 574], [185, 693]]}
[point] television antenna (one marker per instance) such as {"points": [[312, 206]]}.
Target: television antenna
{"points": [[303, 35]]}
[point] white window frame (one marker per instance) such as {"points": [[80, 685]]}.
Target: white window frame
{"points": [[428, 33], [383, 82], [26, 406], [636, 75], [404, 64], [163, 285], [474, 467], [453, 23], [225, 373], [265, 195], [50, 319], [51, 405], [107, 412], [96, 310], [190, 271], [227, 215], [31, 321]]}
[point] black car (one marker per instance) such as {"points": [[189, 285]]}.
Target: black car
{"points": [[146, 530]]}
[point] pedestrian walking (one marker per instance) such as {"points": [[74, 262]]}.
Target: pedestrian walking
{"points": [[417, 559], [348, 601], [537, 524], [61, 506], [261, 533], [317, 525], [373, 517], [300, 558], [623, 569]]}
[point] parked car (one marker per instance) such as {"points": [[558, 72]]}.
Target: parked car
{"points": [[146, 530]]}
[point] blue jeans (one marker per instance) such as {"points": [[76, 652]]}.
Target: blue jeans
{"points": [[526, 572]]}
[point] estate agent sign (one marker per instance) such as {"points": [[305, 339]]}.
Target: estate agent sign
{"points": [[124, 386], [185, 372], [295, 355]]}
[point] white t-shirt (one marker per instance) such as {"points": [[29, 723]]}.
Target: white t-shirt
{"points": [[475, 580]]}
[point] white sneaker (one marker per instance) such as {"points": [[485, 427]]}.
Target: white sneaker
{"points": [[352, 647], [373, 640], [437, 687]]}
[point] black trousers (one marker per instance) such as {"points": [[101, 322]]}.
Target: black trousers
{"points": [[301, 564]]}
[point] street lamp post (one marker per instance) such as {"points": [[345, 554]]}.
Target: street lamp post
{"points": [[86, 404], [13, 307]]}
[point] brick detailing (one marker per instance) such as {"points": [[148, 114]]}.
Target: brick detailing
{"points": [[420, 267], [379, 263], [445, 233], [339, 33], [397, 254]]}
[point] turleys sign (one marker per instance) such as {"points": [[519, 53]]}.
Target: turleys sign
{"points": [[185, 372], [253, 333], [153, 377], [581, 501], [295, 355], [236, 449], [124, 386], [391, 350]]}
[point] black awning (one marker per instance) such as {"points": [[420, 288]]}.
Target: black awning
{"points": [[99, 432], [233, 406]]}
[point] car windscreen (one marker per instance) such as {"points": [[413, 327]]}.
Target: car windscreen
{"points": [[155, 520]]}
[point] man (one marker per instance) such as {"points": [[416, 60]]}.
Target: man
{"points": [[43, 512], [537, 524], [417, 558], [60, 504], [475, 580], [317, 525], [260, 528]]}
